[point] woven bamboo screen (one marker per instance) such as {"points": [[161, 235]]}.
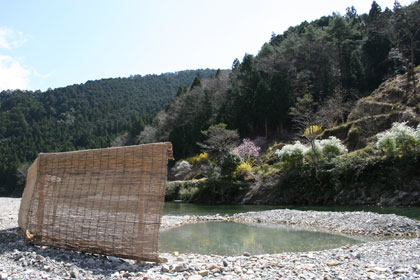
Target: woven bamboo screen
{"points": [[106, 201]]}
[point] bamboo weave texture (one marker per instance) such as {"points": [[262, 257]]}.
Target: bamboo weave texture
{"points": [[107, 201]]}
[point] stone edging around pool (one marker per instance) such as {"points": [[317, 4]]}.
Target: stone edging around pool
{"points": [[352, 223]]}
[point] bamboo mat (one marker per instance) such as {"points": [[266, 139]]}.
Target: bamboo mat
{"points": [[107, 201]]}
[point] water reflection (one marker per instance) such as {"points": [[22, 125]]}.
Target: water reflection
{"points": [[226, 238]]}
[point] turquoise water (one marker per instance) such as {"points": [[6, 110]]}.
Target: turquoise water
{"points": [[231, 239], [226, 238], [174, 208]]}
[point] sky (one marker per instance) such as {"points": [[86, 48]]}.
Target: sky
{"points": [[49, 44]]}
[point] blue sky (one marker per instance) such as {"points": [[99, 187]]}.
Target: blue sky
{"points": [[48, 43]]}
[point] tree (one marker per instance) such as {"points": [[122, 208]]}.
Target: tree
{"points": [[404, 31], [306, 121], [376, 47], [334, 110], [219, 140], [196, 82]]}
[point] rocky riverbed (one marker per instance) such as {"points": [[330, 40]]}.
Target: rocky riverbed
{"points": [[387, 259]]}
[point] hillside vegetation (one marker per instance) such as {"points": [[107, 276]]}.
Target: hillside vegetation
{"points": [[313, 73], [77, 117], [334, 84]]}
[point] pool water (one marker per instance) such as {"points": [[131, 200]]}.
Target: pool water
{"points": [[231, 239]]}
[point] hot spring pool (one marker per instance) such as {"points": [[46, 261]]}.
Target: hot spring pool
{"points": [[231, 239]]}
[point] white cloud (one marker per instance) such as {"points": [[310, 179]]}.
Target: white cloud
{"points": [[10, 39], [13, 75], [40, 75]]}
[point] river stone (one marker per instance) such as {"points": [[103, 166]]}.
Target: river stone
{"points": [[203, 272], [165, 268], [74, 273], [195, 277], [213, 266]]}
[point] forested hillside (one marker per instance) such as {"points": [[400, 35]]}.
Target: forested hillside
{"points": [[312, 73], [77, 117]]}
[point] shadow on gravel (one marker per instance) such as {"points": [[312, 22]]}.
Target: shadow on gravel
{"points": [[28, 255]]}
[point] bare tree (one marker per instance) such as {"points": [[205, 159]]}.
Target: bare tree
{"points": [[334, 110], [219, 140], [405, 27]]}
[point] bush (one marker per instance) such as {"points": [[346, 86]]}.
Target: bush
{"points": [[188, 193], [198, 159], [229, 163], [243, 169], [292, 154], [247, 150], [296, 154], [331, 147], [400, 139]]}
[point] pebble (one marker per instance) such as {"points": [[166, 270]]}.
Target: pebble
{"points": [[74, 273], [195, 277]]}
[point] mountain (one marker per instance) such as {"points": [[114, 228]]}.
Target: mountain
{"points": [[83, 116]]}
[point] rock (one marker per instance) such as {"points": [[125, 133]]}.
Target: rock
{"points": [[180, 259], [3, 276], [176, 253], [246, 254], [212, 266], [225, 263], [203, 272], [74, 273], [113, 259], [195, 277], [127, 274], [165, 268], [333, 263], [180, 268]]}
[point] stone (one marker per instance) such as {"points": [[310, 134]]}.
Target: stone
{"points": [[113, 259], [74, 273], [203, 272], [180, 268], [176, 253], [225, 263], [195, 277], [180, 259], [3, 276], [246, 254], [165, 268], [333, 263], [213, 266]]}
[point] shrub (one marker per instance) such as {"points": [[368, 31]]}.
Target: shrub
{"points": [[243, 169], [292, 154], [198, 159], [229, 163], [181, 169], [188, 193], [247, 150], [400, 139], [331, 147], [296, 154]]}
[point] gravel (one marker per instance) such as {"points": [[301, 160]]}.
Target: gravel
{"points": [[386, 259]]}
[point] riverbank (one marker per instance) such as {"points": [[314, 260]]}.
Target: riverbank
{"points": [[389, 259], [351, 223]]}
